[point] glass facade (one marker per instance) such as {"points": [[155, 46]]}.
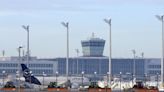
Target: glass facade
{"points": [[87, 64], [101, 65], [153, 66], [37, 67]]}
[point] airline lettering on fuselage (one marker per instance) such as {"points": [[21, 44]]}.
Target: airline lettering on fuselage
{"points": [[76, 79]]}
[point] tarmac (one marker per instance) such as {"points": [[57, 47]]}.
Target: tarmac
{"points": [[39, 90]]}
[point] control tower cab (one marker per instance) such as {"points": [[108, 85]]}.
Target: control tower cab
{"points": [[93, 47]]}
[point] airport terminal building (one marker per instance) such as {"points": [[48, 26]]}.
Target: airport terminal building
{"points": [[91, 61], [94, 61]]}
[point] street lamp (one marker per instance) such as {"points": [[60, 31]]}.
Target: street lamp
{"points": [[134, 63], [57, 76], [3, 72], [145, 78], [95, 80], [132, 78], [82, 73], [18, 76], [27, 29], [157, 79], [43, 78], [161, 18], [77, 51], [18, 71], [30, 76], [19, 55], [107, 79], [108, 21], [66, 24], [95, 76], [120, 80]]}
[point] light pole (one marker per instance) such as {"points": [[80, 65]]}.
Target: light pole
{"points": [[18, 76], [27, 29], [66, 24], [134, 63], [132, 78], [142, 57], [77, 51], [107, 79], [95, 73], [3, 72], [82, 73], [43, 78], [157, 79], [56, 77], [108, 21], [95, 80], [145, 78], [19, 55], [161, 18], [30, 76], [120, 80]]}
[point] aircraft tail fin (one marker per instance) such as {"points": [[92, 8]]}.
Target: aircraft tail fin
{"points": [[29, 77]]}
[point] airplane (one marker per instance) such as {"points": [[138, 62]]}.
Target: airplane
{"points": [[45, 81]]}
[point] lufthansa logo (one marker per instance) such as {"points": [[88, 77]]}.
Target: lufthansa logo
{"points": [[26, 73]]}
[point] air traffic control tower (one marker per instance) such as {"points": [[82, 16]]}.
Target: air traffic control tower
{"points": [[93, 47]]}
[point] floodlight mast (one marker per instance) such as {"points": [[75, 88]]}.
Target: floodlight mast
{"points": [[77, 51], [161, 18], [134, 62], [108, 21], [27, 29], [66, 24], [19, 55]]}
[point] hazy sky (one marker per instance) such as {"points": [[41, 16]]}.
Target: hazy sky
{"points": [[133, 25]]}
